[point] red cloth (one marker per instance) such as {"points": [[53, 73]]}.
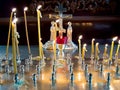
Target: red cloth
{"points": [[61, 40]]}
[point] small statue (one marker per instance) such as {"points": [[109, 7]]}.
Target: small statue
{"points": [[69, 32], [53, 31]]}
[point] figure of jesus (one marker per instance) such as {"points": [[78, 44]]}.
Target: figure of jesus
{"points": [[61, 29]]}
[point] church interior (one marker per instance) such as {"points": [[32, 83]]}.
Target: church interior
{"points": [[60, 45]]}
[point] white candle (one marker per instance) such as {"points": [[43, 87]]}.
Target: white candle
{"points": [[14, 45], [25, 9], [39, 32], [10, 23], [105, 50], [92, 47], [79, 41], [112, 46], [83, 51], [96, 51], [54, 49], [118, 48]]}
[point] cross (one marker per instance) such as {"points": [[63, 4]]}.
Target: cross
{"points": [[60, 9]]}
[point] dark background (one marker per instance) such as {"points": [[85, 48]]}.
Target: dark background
{"points": [[102, 31], [7, 5]]}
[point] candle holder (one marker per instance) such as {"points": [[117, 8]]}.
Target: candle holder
{"points": [[79, 41], [60, 50]]}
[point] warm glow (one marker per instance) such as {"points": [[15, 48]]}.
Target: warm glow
{"points": [[14, 9], [79, 76], [97, 44], [87, 24], [85, 45], [106, 45], [26, 8], [57, 20], [43, 76], [83, 85], [93, 39], [119, 41], [115, 38], [39, 7], [15, 20], [83, 24], [111, 88], [95, 84], [40, 39], [54, 42], [80, 37]]}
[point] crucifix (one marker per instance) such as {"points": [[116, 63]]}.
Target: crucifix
{"points": [[60, 9]]}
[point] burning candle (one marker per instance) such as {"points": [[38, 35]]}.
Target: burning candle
{"points": [[92, 47], [96, 51], [13, 10], [14, 45], [117, 48], [54, 49], [39, 33], [112, 46], [83, 51], [79, 41], [105, 50], [26, 29], [54, 42]]}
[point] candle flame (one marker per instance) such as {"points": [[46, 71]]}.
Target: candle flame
{"points": [[106, 45], [80, 37], [57, 20], [25, 8], [97, 44], [115, 38], [119, 41], [93, 39], [84, 45], [15, 20], [39, 6], [14, 9]]}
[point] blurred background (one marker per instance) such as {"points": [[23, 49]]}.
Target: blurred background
{"points": [[92, 18]]}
